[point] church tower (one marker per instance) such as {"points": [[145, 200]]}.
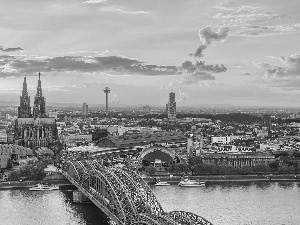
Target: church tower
{"points": [[39, 108], [24, 110]]}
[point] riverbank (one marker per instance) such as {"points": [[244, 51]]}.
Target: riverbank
{"points": [[228, 178], [171, 179], [4, 185]]}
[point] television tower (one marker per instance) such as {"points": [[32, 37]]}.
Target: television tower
{"points": [[106, 91]]}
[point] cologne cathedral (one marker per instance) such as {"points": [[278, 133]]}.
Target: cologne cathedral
{"points": [[34, 129]]}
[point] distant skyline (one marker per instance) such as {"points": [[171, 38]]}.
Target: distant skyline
{"points": [[208, 52]]}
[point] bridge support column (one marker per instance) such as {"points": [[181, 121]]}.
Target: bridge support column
{"points": [[78, 197]]}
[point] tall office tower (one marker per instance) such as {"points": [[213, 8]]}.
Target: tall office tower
{"points": [[171, 106], [39, 108], [85, 109], [268, 122], [24, 110], [106, 91]]}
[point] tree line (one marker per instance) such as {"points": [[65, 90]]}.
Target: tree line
{"points": [[194, 166]]}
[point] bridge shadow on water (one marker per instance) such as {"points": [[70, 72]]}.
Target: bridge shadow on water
{"points": [[90, 213]]}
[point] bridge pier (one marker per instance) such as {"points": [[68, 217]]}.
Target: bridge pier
{"points": [[78, 197]]}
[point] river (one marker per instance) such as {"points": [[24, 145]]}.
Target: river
{"points": [[223, 203]]}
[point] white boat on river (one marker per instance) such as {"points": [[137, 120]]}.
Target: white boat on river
{"points": [[161, 183], [191, 183], [43, 187]]}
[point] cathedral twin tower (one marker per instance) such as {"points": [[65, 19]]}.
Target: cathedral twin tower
{"points": [[39, 107], [34, 130]]}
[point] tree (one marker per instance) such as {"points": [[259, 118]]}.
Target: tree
{"points": [[34, 170], [246, 170], [261, 168], [227, 169], [193, 161], [284, 168], [274, 166], [297, 170], [9, 164]]}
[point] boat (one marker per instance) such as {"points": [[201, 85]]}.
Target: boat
{"points": [[191, 183], [161, 183], [43, 187]]}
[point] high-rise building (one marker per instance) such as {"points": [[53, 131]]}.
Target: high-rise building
{"points": [[39, 108], [24, 110], [85, 109], [171, 106], [37, 130], [268, 122]]}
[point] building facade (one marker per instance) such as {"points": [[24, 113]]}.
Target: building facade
{"points": [[171, 106], [85, 109], [268, 122], [3, 136], [36, 129], [237, 160], [220, 140]]}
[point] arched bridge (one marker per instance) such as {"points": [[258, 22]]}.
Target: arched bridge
{"points": [[123, 195]]}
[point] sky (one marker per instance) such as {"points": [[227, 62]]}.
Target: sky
{"points": [[239, 52]]}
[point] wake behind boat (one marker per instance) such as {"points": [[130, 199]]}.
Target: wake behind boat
{"points": [[191, 183], [43, 187]]}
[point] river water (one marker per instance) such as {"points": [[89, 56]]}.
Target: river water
{"points": [[224, 203]]}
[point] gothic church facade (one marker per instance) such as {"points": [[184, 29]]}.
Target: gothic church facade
{"points": [[34, 129]]}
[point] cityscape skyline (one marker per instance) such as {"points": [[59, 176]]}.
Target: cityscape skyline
{"points": [[240, 53]]}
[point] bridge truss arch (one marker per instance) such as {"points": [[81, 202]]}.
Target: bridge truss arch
{"points": [[123, 195]]}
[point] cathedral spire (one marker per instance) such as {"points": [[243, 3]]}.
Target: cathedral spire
{"points": [[24, 86], [39, 87], [24, 110], [39, 109]]}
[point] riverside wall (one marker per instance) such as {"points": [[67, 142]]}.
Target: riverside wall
{"points": [[227, 178]]}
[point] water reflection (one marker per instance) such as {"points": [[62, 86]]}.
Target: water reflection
{"points": [[256, 203], [286, 184], [47, 207], [259, 203]]}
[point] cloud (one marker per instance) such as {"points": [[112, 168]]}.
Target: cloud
{"points": [[284, 74], [94, 1], [194, 78], [114, 65], [259, 30], [195, 74], [11, 49], [115, 100], [209, 37], [289, 68], [115, 9], [252, 21], [199, 51], [200, 66]]}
